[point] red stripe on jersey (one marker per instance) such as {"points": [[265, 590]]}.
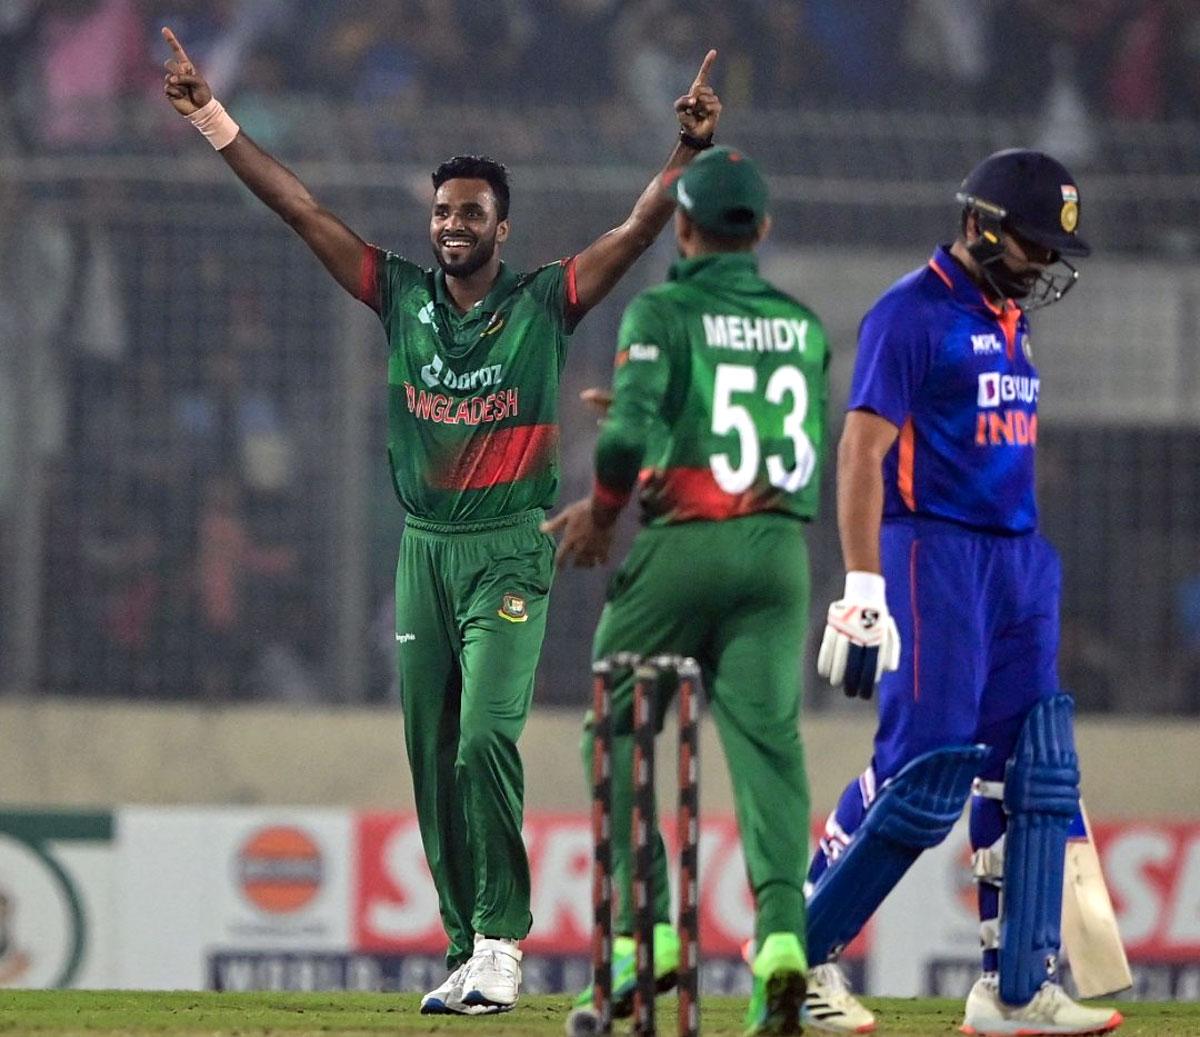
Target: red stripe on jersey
{"points": [[571, 287], [1008, 316], [503, 456], [904, 470], [916, 615], [685, 494], [609, 497], [368, 284], [941, 273], [573, 310]]}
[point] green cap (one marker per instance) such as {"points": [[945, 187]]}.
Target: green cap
{"points": [[723, 191]]}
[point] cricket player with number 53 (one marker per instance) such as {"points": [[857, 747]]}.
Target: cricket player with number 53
{"points": [[718, 423], [952, 596]]}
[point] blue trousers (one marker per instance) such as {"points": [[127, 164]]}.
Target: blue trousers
{"points": [[978, 621]]}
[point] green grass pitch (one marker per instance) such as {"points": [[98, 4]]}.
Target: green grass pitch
{"points": [[182, 1014]]}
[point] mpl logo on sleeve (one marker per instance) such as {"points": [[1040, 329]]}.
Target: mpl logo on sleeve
{"points": [[985, 345]]}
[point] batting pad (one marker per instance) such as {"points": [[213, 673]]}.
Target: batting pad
{"points": [[914, 811], [1041, 798]]}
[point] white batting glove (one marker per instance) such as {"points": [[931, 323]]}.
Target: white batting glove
{"points": [[861, 641]]}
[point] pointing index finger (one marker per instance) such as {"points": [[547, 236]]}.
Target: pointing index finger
{"points": [[176, 46], [702, 76]]}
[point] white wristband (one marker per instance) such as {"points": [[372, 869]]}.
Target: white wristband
{"points": [[215, 123], [865, 588]]}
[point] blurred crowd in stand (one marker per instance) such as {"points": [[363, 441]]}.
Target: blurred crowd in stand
{"points": [[77, 71], [176, 376], [177, 426]]}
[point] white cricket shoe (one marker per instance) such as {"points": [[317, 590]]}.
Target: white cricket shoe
{"points": [[1050, 1012], [493, 977], [830, 1007], [447, 999]]}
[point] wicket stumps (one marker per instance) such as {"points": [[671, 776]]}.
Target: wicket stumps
{"points": [[648, 675]]}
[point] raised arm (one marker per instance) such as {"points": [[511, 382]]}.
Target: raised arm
{"points": [[600, 265], [335, 244]]}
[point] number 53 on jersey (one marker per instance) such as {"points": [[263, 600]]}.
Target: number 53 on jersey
{"points": [[738, 408], [743, 419]]}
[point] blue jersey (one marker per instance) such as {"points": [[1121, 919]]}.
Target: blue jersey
{"points": [[954, 374]]}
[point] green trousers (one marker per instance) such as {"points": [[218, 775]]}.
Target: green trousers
{"points": [[470, 616], [733, 595]]}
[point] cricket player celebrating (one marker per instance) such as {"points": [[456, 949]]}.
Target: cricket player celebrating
{"points": [[718, 419], [952, 597], [476, 352]]}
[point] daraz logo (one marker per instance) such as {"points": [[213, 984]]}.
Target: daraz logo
{"points": [[436, 373]]}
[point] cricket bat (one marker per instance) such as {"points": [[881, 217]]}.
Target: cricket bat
{"points": [[1089, 925]]}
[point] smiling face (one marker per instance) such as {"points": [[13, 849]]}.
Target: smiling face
{"points": [[464, 228]]}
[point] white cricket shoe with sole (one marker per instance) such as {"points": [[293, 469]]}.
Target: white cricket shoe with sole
{"points": [[1050, 1012], [493, 978], [447, 998], [830, 1007]]}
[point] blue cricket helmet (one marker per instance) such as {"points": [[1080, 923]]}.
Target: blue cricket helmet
{"points": [[1031, 194]]}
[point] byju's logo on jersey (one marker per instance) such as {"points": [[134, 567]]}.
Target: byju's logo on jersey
{"points": [[989, 389], [999, 425], [984, 345], [996, 388]]}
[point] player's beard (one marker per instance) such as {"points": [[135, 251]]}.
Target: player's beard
{"points": [[465, 266], [1007, 283]]}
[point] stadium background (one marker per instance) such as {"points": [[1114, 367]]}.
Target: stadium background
{"points": [[197, 531]]}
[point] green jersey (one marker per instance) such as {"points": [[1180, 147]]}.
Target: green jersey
{"points": [[473, 397], [719, 398]]}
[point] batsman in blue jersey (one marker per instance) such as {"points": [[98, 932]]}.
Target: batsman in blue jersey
{"points": [[952, 596]]}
